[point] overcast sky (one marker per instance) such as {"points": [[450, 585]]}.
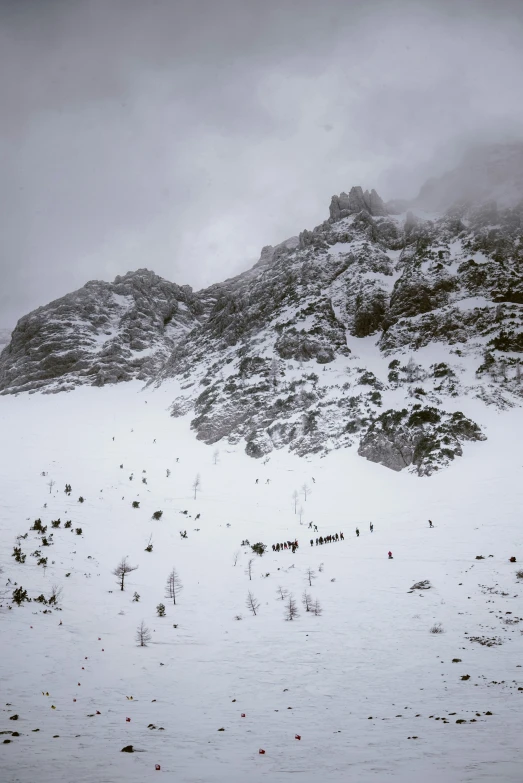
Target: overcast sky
{"points": [[183, 135]]}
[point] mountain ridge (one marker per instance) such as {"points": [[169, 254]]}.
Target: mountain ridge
{"points": [[270, 356]]}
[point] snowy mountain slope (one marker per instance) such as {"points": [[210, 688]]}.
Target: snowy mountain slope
{"points": [[102, 333], [374, 695], [284, 372], [376, 330]]}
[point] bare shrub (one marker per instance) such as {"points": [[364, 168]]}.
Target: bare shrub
{"points": [[173, 585], [437, 628], [291, 609], [310, 575], [143, 635], [56, 594], [306, 600], [196, 485], [122, 569], [251, 603], [282, 593]]}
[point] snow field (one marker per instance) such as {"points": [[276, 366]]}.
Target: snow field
{"points": [[347, 675]]}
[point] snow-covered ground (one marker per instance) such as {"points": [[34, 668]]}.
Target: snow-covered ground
{"points": [[365, 685]]}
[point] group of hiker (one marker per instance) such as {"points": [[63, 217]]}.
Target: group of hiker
{"points": [[293, 545], [328, 539]]}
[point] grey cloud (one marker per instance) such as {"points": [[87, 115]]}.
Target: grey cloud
{"points": [[184, 136]]}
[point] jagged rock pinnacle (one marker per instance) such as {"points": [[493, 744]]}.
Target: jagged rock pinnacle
{"points": [[356, 201]]}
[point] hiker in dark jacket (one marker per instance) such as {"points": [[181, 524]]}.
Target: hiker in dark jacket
{"points": [[312, 542], [357, 532]]}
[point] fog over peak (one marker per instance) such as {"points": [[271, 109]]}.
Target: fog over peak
{"points": [[184, 137]]}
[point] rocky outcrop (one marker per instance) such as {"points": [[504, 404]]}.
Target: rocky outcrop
{"points": [[356, 201], [102, 333], [423, 439]]}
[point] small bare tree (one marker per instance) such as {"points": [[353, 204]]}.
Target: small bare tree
{"points": [[310, 575], [122, 569], [306, 601], [236, 557], [248, 570], [316, 608], [305, 490], [173, 585], [295, 498], [51, 484], [143, 635], [300, 512], [196, 484], [291, 610], [56, 594], [281, 593], [518, 371], [251, 603], [216, 456]]}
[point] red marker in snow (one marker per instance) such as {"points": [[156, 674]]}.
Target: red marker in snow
{"points": [[157, 767], [261, 751], [243, 715], [297, 736], [127, 720]]}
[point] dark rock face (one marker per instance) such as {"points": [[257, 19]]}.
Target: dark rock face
{"points": [[293, 345], [425, 438], [102, 333]]}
